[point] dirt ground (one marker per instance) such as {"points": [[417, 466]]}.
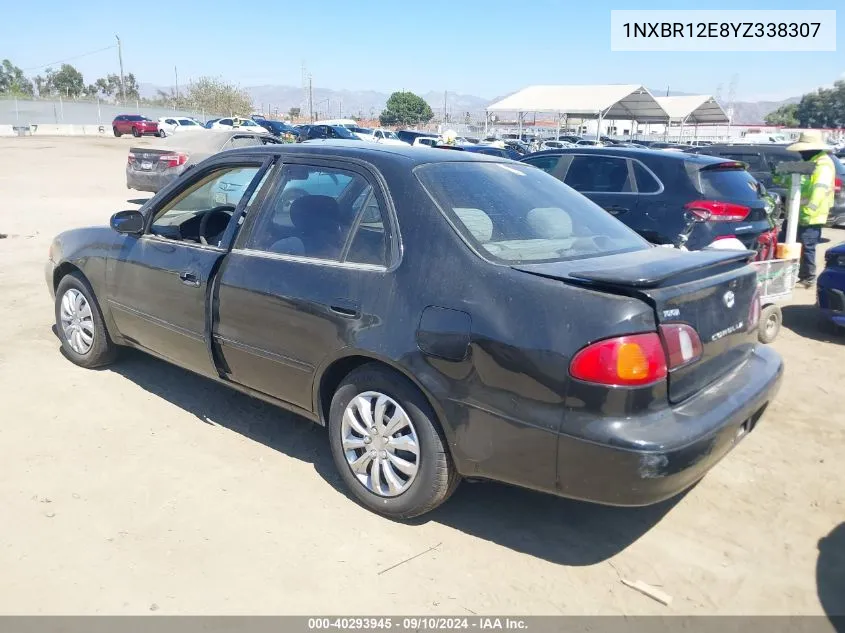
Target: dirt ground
{"points": [[142, 487]]}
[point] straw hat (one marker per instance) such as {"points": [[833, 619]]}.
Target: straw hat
{"points": [[808, 141]]}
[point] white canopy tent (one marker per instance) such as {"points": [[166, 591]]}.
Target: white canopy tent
{"points": [[615, 101], [690, 110]]}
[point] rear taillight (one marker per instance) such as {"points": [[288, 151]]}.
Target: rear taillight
{"points": [[754, 310], [173, 160], [683, 345], [837, 185], [717, 211], [636, 360], [131, 158]]}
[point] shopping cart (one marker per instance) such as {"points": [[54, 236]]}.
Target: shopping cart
{"points": [[777, 278]]}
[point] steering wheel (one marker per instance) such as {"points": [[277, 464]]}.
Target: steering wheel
{"points": [[225, 209]]}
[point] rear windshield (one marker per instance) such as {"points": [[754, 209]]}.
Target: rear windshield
{"points": [[513, 213], [730, 184]]}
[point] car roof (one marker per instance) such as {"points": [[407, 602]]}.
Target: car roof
{"points": [[636, 152], [371, 152], [762, 147]]}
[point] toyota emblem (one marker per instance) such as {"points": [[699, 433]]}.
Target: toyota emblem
{"points": [[729, 298]]}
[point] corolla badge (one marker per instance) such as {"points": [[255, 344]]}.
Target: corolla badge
{"points": [[729, 298]]}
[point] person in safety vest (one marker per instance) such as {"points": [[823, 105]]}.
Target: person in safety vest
{"points": [[816, 200]]}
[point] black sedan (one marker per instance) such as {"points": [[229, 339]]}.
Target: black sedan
{"points": [[444, 314]]}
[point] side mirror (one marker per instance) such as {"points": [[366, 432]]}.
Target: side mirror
{"points": [[128, 222]]}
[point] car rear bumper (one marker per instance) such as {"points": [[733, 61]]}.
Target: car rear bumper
{"points": [[49, 271], [152, 181], [647, 459]]}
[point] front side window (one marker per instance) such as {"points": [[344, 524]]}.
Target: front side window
{"points": [[215, 195], [512, 213], [315, 213], [599, 174]]}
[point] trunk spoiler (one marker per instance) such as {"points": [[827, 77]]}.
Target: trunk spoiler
{"points": [[649, 268]]}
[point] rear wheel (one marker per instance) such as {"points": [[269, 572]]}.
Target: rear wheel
{"points": [[770, 322], [80, 325], [387, 444], [116, 133], [162, 133], [135, 132]]}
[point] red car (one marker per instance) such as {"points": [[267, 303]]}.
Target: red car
{"points": [[134, 124]]}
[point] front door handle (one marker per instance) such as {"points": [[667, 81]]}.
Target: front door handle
{"points": [[616, 210], [189, 279]]}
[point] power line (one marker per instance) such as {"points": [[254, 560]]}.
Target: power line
{"points": [[70, 59]]}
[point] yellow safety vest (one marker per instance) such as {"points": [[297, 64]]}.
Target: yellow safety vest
{"points": [[817, 191]]}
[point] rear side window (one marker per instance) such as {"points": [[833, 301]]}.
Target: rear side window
{"points": [[599, 174], [513, 213], [551, 164], [646, 182], [726, 184]]}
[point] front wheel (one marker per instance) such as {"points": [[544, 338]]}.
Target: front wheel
{"points": [[770, 322], [80, 325], [387, 444], [135, 132], [162, 133], [116, 133]]}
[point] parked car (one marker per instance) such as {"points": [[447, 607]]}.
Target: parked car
{"points": [[312, 132], [134, 124], [640, 371], [589, 142], [409, 135], [153, 168], [487, 150], [208, 124], [379, 135], [277, 128], [656, 192], [570, 138], [426, 141], [235, 122], [169, 125], [762, 159], [830, 287]]}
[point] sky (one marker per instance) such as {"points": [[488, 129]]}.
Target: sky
{"points": [[486, 48]]}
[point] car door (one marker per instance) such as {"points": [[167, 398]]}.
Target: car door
{"points": [[303, 278], [606, 180], [158, 282]]}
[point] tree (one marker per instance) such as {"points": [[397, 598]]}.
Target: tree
{"points": [[216, 96], [786, 115], [294, 113], [13, 81], [823, 108], [405, 108], [67, 81]]}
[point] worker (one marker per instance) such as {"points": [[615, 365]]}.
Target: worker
{"points": [[816, 200]]}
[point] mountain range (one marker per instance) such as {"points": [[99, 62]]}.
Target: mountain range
{"points": [[329, 103]]}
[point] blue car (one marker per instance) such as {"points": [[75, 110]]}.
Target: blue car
{"points": [[831, 286]]}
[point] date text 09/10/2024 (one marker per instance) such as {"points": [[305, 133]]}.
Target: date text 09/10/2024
{"points": [[417, 623]]}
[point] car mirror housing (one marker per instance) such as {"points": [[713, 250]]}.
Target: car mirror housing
{"points": [[128, 222]]}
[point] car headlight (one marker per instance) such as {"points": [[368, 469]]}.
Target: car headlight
{"points": [[836, 261]]}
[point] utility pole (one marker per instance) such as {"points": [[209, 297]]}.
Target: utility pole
{"points": [[120, 59], [310, 99], [445, 93], [176, 75]]}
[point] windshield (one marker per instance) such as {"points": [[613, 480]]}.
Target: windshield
{"points": [[187, 122], [515, 213]]}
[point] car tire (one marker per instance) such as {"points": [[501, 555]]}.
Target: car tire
{"points": [[162, 133], [87, 314], [116, 133], [771, 319], [403, 494], [135, 132]]}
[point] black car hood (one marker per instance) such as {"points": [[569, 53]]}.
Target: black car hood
{"points": [[648, 268]]}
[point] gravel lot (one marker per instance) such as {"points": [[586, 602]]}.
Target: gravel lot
{"points": [[142, 487]]}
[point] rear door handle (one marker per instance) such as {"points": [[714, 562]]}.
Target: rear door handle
{"points": [[346, 308], [189, 279]]}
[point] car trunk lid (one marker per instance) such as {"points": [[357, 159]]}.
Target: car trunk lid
{"points": [[710, 290], [151, 159]]}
